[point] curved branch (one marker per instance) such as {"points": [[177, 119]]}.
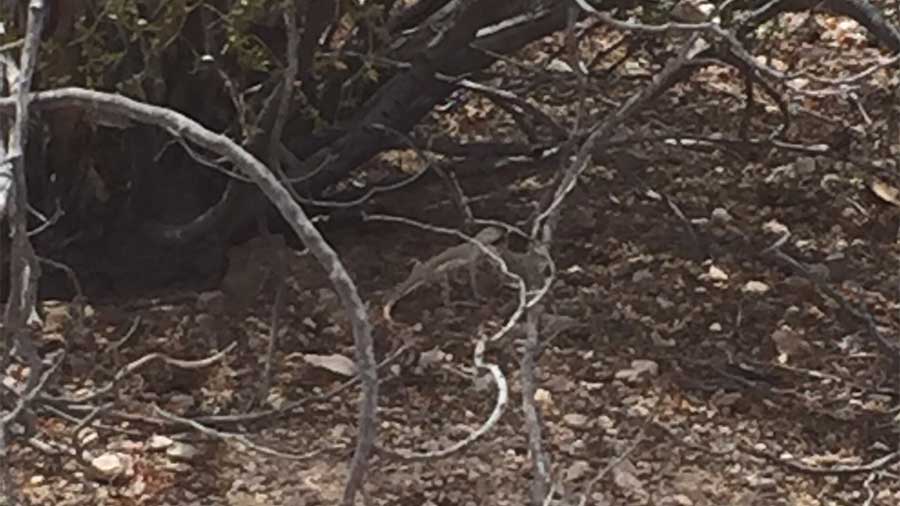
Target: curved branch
{"points": [[123, 107]]}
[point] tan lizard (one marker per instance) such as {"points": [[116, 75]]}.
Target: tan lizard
{"points": [[438, 266]]}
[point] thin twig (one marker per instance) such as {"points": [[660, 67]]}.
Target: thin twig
{"points": [[242, 439]]}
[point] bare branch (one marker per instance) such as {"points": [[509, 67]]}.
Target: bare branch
{"points": [[499, 407], [290, 210], [23, 266]]}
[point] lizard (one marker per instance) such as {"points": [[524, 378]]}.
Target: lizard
{"points": [[438, 266]]}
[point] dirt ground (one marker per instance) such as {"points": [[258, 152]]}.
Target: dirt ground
{"points": [[703, 368]]}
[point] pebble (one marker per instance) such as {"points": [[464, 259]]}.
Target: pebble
{"points": [[575, 420]]}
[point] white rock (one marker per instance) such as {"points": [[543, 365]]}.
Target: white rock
{"points": [[182, 451], [158, 442], [543, 398], [108, 466], [721, 215], [755, 287], [716, 274]]}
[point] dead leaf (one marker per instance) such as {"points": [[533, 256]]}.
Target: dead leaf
{"points": [[558, 65], [335, 363], [886, 192]]}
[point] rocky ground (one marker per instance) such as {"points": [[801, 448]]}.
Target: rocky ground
{"points": [[705, 359]]}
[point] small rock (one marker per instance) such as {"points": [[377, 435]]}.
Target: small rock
{"points": [[815, 312], [638, 411], [575, 420], [579, 446], [721, 215], [605, 422], [715, 327], [543, 398], [183, 452], [108, 466], [755, 287], [716, 274], [158, 442], [792, 316]]}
